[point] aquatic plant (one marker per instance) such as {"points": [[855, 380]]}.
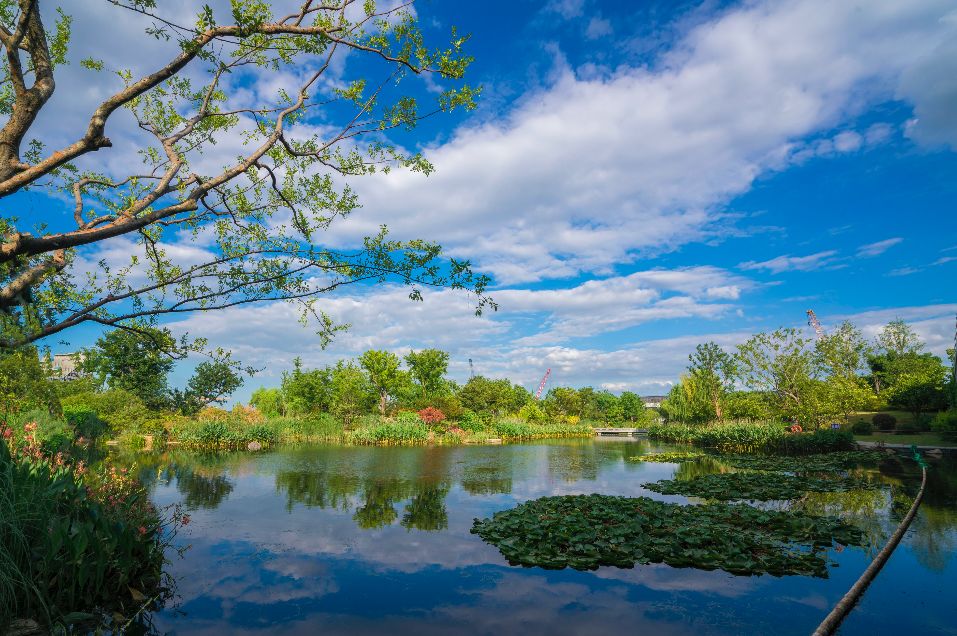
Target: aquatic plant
{"points": [[757, 486], [76, 546], [676, 457], [586, 531]]}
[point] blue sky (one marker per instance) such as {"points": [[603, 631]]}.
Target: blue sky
{"points": [[643, 176]]}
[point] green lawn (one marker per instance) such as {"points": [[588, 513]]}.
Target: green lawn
{"points": [[902, 417], [921, 439]]}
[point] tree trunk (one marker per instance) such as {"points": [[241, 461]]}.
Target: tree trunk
{"points": [[383, 396]]}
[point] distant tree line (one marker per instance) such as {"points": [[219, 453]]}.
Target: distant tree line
{"points": [[786, 375], [379, 382]]}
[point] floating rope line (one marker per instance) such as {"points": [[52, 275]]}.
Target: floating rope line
{"points": [[833, 620]]}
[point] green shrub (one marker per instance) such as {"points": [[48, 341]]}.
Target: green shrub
{"points": [[68, 388], [821, 441], [471, 422], [51, 432], [884, 421], [213, 433], [946, 424], [408, 418], [85, 423], [532, 412], [121, 410], [268, 401], [862, 427]]}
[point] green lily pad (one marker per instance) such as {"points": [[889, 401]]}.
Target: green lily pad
{"points": [[587, 531]]}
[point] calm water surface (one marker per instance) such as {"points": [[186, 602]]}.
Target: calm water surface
{"points": [[337, 540]]}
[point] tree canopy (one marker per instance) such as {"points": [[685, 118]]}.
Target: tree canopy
{"points": [[253, 222]]}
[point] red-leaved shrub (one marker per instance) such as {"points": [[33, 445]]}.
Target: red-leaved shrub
{"points": [[431, 415]]}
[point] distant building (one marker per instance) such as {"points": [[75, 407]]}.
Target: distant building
{"points": [[65, 365], [652, 401]]}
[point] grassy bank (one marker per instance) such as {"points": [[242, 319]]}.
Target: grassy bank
{"points": [[239, 428], [76, 547], [749, 437]]}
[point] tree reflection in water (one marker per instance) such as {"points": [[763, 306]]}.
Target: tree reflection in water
{"points": [[202, 491], [383, 487], [380, 497], [427, 510]]}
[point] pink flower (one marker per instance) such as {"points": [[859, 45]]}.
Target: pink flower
{"points": [[185, 520], [142, 530], [29, 428], [7, 433]]}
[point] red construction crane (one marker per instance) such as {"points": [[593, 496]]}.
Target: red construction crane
{"points": [[815, 323], [541, 387]]}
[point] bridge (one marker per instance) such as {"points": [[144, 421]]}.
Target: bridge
{"points": [[602, 432]]}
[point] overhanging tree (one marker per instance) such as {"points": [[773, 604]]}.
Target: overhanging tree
{"points": [[255, 220]]}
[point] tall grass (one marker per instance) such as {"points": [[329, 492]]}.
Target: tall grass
{"points": [[218, 429], [236, 432], [386, 433], [516, 429], [768, 437]]}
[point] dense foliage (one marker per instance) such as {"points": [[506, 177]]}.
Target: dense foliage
{"points": [[814, 382], [587, 531], [75, 546]]}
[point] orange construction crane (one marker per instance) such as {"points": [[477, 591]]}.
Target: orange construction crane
{"points": [[541, 387], [815, 323]]}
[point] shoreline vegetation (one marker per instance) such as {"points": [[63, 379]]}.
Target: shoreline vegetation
{"points": [[80, 548]]}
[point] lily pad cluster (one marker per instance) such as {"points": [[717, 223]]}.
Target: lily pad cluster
{"points": [[824, 462], [677, 457], [587, 531], [757, 486]]}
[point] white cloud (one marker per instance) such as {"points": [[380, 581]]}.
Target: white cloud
{"points": [[848, 141], [904, 271], [788, 263], [598, 170], [878, 248], [384, 318], [568, 9], [598, 28]]}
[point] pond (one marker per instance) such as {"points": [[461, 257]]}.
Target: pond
{"points": [[331, 539]]}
